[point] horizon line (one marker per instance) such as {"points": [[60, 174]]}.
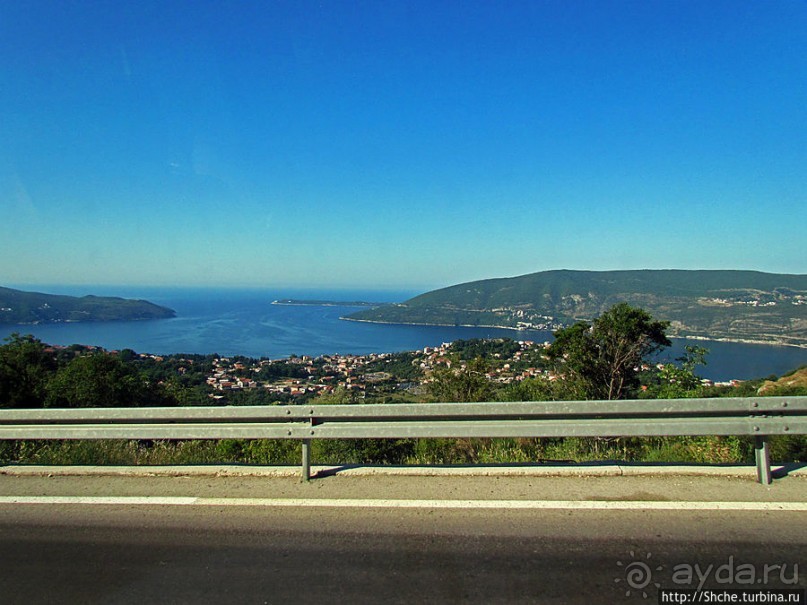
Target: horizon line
{"points": [[355, 287]]}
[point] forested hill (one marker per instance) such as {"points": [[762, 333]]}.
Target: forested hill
{"points": [[18, 307], [731, 305]]}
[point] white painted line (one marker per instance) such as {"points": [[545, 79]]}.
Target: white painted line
{"points": [[424, 504], [104, 500]]}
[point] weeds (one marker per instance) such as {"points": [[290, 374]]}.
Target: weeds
{"points": [[701, 450]]}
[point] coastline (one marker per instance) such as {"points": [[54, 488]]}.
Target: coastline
{"points": [[58, 322], [324, 303], [748, 341], [208, 323], [401, 323]]}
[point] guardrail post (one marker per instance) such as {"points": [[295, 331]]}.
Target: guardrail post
{"points": [[306, 459], [762, 453]]}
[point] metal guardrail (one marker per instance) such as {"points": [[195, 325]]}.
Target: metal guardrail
{"points": [[757, 417]]}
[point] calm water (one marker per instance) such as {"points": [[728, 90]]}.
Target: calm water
{"points": [[244, 322]]}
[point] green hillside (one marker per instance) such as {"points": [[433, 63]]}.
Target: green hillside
{"points": [[19, 307], [732, 305]]}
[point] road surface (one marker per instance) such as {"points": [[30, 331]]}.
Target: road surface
{"points": [[214, 539]]}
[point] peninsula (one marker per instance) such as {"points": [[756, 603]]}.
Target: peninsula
{"points": [[738, 306], [324, 303], [20, 307]]}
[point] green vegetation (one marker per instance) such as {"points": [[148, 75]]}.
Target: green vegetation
{"points": [[402, 366], [25, 369], [97, 380], [732, 305], [606, 358], [792, 383], [34, 375], [499, 348], [18, 307], [469, 383], [600, 358], [710, 450]]}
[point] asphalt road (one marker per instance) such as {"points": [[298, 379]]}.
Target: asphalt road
{"points": [[187, 553]]}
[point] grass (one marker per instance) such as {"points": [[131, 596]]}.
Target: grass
{"points": [[705, 450]]}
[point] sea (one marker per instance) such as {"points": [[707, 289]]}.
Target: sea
{"points": [[230, 321]]}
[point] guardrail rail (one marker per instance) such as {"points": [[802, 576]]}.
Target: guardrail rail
{"points": [[757, 417]]}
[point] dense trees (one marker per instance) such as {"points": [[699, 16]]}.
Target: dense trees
{"points": [[402, 366], [603, 358], [33, 375], [279, 369], [102, 380], [25, 368], [469, 383], [544, 389]]}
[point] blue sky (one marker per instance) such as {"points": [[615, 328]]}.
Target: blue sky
{"points": [[398, 144]]}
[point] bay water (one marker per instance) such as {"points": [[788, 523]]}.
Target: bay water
{"points": [[245, 322]]}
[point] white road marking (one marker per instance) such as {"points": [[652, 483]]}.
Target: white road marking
{"points": [[425, 504]]}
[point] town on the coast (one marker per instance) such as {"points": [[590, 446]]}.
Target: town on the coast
{"points": [[375, 373], [386, 377]]}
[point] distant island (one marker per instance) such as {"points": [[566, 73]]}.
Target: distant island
{"points": [[325, 303], [19, 307], [737, 306]]}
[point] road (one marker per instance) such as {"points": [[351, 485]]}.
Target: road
{"points": [[257, 540]]}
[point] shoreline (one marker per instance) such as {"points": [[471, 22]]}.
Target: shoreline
{"points": [[324, 303], [57, 322], [748, 341]]}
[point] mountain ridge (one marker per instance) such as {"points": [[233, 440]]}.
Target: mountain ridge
{"points": [[22, 307], [705, 304]]}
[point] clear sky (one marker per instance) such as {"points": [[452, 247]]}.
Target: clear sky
{"points": [[398, 144]]}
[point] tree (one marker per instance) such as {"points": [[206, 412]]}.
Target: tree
{"points": [[25, 369], [673, 380], [606, 355], [340, 395], [543, 389], [102, 380], [467, 384]]}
